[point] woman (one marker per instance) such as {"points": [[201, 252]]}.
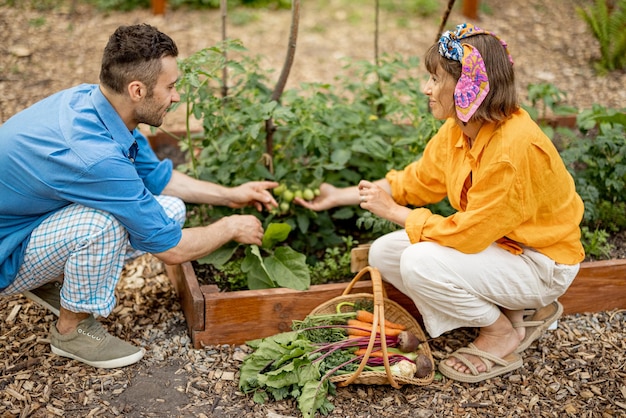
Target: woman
{"points": [[514, 242]]}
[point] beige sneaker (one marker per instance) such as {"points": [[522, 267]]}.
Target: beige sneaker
{"points": [[47, 295], [91, 344]]}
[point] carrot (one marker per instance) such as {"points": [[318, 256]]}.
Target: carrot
{"points": [[375, 353], [366, 329], [366, 316], [358, 332]]}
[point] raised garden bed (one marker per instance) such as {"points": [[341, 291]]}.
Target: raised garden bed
{"points": [[215, 317]]}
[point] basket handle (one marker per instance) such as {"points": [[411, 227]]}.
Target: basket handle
{"points": [[378, 289], [378, 292]]}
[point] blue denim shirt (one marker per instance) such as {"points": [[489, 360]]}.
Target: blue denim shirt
{"points": [[73, 147]]}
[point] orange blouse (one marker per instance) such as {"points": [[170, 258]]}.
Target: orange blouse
{"points": [[511, 187]]}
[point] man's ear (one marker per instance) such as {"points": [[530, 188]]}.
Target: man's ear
{"points": [[137, 91]]}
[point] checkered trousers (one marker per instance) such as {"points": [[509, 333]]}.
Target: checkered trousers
{"points": [[87, 248]]}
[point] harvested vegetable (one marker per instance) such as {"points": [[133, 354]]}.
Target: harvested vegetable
{"points": [[365, 328], [408, 342], [300, 363], [423, 366], [366, 316], [404, 368]]}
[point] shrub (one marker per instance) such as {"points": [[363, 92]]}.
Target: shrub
{"points": [[607, 20], [597, 161], [373, 119]]}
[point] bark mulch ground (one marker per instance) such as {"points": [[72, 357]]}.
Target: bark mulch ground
{"points": [[577, 370]]}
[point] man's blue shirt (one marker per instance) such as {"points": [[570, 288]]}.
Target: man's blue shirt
{"points": [[73, 147]]}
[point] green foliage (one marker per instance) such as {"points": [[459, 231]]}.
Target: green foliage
{"points": [[607, 20], [39, 5], [372, 120], [271, 265], [546, 98], [595, 243], [281, 367], [121, 5], [597, 161], [415, 7], [334, 265]]}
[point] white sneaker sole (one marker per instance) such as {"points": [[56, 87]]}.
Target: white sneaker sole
{"points": [[103, 364]]}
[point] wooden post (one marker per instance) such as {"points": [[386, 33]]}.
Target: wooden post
{"points": [[158, 7], [470, 9]]}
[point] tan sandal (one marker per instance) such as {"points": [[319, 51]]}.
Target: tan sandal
{"points": [[496, 366], [538, 323]]}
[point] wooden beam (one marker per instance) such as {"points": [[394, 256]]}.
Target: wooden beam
{"points": [[470, 9], [215, 317], [158, 7]]}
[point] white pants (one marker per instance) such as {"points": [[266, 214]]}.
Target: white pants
{"points": [[452, 289]]}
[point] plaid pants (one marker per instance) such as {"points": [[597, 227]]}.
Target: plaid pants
{"points": [[88, 249]]}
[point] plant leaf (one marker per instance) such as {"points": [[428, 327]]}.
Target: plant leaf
{"points": [[220, 256], [252, 265], [275, 233], [288, 268]]}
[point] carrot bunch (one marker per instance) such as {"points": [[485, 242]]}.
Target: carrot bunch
{"points": [[363, 325]]}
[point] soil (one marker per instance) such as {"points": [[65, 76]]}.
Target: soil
{"points": [[576, 370]]}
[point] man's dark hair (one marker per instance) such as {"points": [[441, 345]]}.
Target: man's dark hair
{"points": [[134, 53]]}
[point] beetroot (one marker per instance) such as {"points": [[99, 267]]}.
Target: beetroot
{"points": [[408, 342]]}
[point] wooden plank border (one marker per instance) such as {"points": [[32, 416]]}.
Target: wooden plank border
{"points": [[215, 317]]}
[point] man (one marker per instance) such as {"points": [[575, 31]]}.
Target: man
{"points": [[82, 190]]}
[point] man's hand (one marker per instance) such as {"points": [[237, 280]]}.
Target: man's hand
{"points": [[254, 193], [246, 229]]}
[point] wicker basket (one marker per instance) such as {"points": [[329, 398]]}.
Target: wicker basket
{"points": [[383, 309]]}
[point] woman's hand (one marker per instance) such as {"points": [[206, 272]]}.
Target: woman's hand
{"points": [[330, 197], [254, 193], [377, 200]]}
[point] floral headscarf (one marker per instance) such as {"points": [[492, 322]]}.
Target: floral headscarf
{"points": [[473, 85]]}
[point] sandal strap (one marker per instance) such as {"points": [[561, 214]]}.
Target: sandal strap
{"points": [[466, 362], [526, 324], [474, 351]]}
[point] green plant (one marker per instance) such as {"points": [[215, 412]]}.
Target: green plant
{"points": [[374, 119], [268, 266], [334, 266], [121, 5], [607, 20], [595, 242], [597, 161], [545, 99]]}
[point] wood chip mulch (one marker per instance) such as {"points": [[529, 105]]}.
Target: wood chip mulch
{"points": [[576, 370]]}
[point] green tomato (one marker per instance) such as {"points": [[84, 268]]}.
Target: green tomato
{"points": [[284, 207], [316, 191], [279, 189], [288, 196], [308, 194]]}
